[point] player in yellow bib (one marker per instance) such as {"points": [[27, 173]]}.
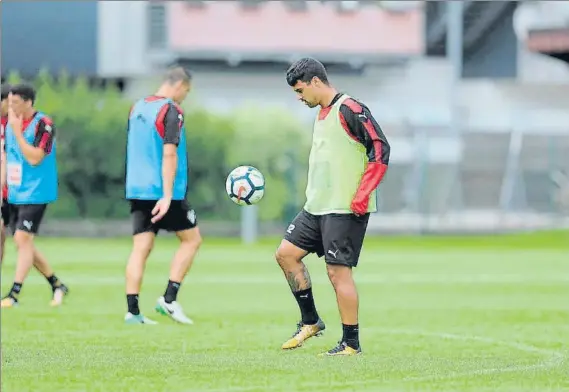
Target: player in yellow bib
{"points": [[348, 159]]}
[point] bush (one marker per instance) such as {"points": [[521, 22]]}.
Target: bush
{"points": [[91, 144]]}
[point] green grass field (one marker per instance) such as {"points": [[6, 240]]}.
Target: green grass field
{"points": [[437, 314]]}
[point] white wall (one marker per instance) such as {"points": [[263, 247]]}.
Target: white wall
{"points": [[535, 67], [389, 92], [539, 68], [418, 95], [122, 40], [225, 91]]}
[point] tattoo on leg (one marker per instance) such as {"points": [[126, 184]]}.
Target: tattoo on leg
{"points": [[306, 277], [298, 280], [290, 278]]}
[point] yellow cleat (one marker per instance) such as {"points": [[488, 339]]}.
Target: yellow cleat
{"points": [[342, 349], [8, 302], [303, 333]]}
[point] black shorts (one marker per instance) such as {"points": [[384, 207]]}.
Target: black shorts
{"points": [[337, 237], [5, 212], [24, 217], [180, 217]]}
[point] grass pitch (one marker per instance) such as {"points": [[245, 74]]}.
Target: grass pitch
{"points": [[437, 314]]}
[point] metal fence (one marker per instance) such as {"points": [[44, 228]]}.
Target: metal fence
{"points": [[484, 182]]}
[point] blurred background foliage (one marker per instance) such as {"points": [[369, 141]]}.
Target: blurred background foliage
{"points": [[91, 138]]}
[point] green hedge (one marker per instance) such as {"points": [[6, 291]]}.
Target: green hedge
{"points": [[91, 150]]}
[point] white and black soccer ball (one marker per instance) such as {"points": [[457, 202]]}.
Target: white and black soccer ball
{"points": [[245, 185]]}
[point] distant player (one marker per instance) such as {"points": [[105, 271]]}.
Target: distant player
{"points": [[58, 289], [5, 219], [348, 159], [156, 187], [30, 173]]}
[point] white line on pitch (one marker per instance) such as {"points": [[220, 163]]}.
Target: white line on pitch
{"points": [[552, 359], [199, 279]]}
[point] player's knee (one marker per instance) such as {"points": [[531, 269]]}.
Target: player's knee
{"points": [[143, 245], [192, 238], [280, 256], [143, 250], [283, 257], [339, 274], [23, 239], [195, 242], [288, 254], [2, 242]]}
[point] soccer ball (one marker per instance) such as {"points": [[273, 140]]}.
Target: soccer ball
{"points": [[245, 185]]}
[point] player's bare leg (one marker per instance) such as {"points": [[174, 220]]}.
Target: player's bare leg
{"points": [[142, 245], [289, 257], [348, 303], [2, 241], [25, 245], [41, 264], [58, 288], [190, 241]]}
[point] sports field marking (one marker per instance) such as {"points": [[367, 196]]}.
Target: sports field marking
{"points": [[553, 359]]}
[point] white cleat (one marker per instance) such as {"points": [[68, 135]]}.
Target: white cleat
{"points": [[57, 299], [130, 318], [173, 310], [58, 295]]}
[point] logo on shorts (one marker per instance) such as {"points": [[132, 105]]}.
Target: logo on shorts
{"points": [[28, 224], [290, 229], [192, 217], [333, 253]]}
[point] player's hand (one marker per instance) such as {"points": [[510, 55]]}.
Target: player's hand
{"points": [[160, 209], [15, 121], [359, 207]]}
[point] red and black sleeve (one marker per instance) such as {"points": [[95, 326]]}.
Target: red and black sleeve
{"points": [[45, 133], [360, 125], [169, 123], [4, 123]]}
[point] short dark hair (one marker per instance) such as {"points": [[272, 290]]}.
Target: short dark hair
{"points": [[25, 91], [5, 90], [177, 74], [304, 70]]}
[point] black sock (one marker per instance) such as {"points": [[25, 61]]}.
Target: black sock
{"points": [[351, 335], [307, 308], [171, 292], [53, 281], [132, 303], [15, 291]]}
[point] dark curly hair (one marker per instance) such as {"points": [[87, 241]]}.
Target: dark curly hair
{"points": [[304, 70]]}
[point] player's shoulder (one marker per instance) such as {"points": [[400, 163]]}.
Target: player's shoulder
{"points": [[46, 121], [140, 103], [176, 107], [353, 105], [154, 100]]}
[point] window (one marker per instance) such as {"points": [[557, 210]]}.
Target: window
{"points": [[251, 4], [157, 34], [197, 4], [296, 5]]}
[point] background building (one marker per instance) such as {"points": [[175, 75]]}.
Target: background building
{"points": [[486, 150]]}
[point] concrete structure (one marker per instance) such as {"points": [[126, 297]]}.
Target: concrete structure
{"points": [[512, 101]]}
